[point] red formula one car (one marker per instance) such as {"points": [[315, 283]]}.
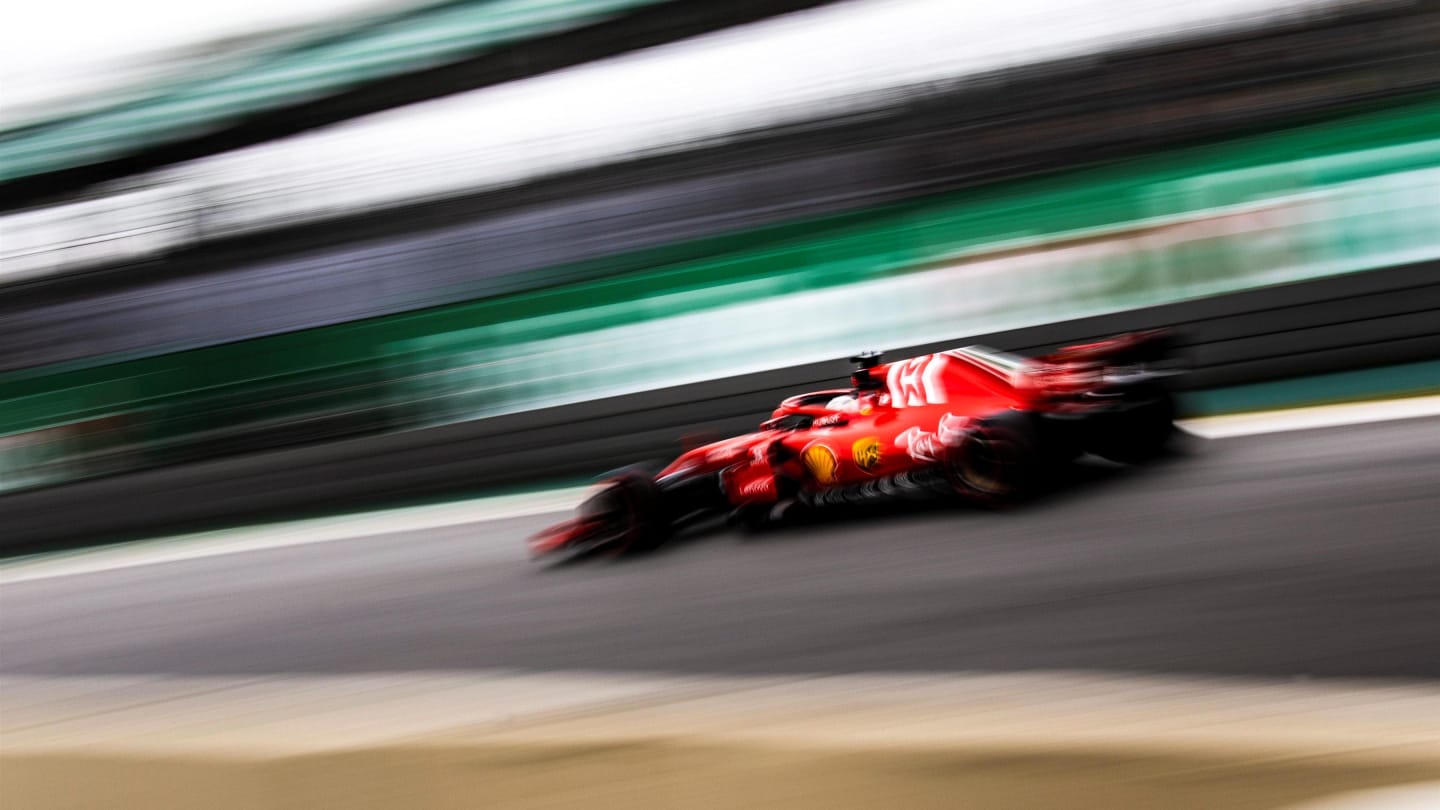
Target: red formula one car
{"points": [[974, 422]]}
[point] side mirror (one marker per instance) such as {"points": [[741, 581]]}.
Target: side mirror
{"points": [[790, 421]]}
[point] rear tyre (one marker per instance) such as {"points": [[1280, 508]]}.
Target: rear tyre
{"points": [[1137, 434], [998, 462]]}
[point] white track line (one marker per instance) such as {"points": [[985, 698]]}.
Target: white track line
{"points": [[370, 524], [1425, 796], [294, 533], [1319, 416]]}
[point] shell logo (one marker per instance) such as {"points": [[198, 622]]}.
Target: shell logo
{"points": [[867, 453], [820, 461]]}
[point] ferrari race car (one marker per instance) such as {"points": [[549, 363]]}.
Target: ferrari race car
{"points": [[974, 423]]}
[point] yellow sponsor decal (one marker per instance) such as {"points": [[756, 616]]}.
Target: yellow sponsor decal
{"points": [[820, 461], [867, 453]]}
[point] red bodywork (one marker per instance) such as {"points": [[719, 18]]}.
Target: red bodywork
{"points": [[899, 417]]}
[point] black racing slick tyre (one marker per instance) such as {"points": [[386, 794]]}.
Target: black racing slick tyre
{"points": [[998, 462], [633, 502]]}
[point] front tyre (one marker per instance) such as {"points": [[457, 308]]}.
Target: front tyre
{"points": [[632, 503]]}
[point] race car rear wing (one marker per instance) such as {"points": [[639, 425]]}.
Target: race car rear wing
{"points": [[1149, 346]]}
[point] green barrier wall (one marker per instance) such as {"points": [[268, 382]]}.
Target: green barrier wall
{"points": [[1347, 196]]}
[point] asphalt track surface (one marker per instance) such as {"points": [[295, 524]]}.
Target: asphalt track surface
{"points": [[1310, 553]]}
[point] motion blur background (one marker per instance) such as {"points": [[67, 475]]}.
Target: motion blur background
{"points": [[485, 242], [304, 276]]}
